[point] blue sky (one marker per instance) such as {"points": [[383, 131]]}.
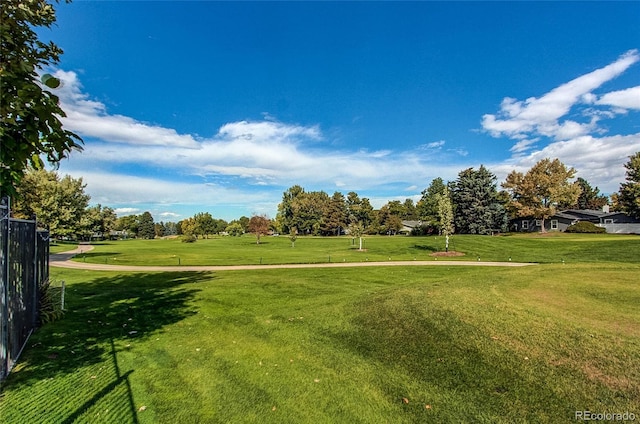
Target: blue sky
{"points": [[189, 107]]}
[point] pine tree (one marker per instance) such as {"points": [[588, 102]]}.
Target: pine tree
{"points": [[478, 208], [146, 229], [629, 197]]}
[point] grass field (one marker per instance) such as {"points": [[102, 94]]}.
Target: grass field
{"points": [[550, 248], [396, 345]]}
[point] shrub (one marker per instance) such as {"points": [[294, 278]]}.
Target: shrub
{"points": [[189, 239], [49, 302], [585, 227]]}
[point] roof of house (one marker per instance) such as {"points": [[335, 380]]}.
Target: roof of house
{"points": [[590, 212], [412, 224]]}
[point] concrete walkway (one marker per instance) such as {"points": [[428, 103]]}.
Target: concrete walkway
{"points": [[63, 260]]}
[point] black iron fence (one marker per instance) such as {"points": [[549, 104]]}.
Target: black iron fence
{"points": [[24, 267]]}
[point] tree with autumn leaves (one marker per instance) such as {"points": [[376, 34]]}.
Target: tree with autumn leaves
{"points": [[546, 187]]}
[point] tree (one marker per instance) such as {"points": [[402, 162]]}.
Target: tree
{"points": [[29, 113], [359, 211], [259, 225], [128, 223], [357, 230], [159, 229], [629, 194], [204, 224], [427, 207], [445, 214], [98, 221], [478, 208], [334, 220], [410, 212], [58, 203], [146, 229], [539, 192], [590, 198], [389, 221], [285, 209], [234, 229], [293, 236]]}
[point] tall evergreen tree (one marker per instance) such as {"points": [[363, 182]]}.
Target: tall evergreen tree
{"points": [[590, 198], [629, 197], [335, 217], [146, 228], [477, 206]]}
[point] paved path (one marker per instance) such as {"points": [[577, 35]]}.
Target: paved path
{"points": [[63, 260]]}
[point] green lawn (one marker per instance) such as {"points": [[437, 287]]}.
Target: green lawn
{"points": [[551, 248], [386, 344]]}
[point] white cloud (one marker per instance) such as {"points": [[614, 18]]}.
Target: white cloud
{"points": [[169, 214], [542, 129], [432, 145], [517, 119], [624, 99], [126, 211]]}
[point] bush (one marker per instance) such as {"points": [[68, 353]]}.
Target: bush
{"points": [[585, 227], [189, 239], [49, 302]]}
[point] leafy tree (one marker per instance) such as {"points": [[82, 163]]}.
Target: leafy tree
{"points": [[389, 221], [629, 194], [356, 230], [589, 198], [158, 228], [128, 223], [98, 220], [204, 224], [445, 214], [285, 209], [29, 113], [308, 211], [58, 203], [188, 227], [259, 225], [234, 229], [244, 221], [146, 229], [293, 236], [538, 192], [220, 225], [478, 208], [427, 207]]}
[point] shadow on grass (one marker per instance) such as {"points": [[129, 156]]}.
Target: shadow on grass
{"points": [[100, 314], [106, 255], [425, 248]]}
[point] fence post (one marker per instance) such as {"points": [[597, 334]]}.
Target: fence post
{"points": [[36, 282], [4, 283]]}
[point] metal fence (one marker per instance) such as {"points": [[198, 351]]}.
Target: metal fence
{"points": [[24, 267]]}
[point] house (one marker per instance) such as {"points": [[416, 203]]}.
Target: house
{"points": [[613, 222], [409, 226]]}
